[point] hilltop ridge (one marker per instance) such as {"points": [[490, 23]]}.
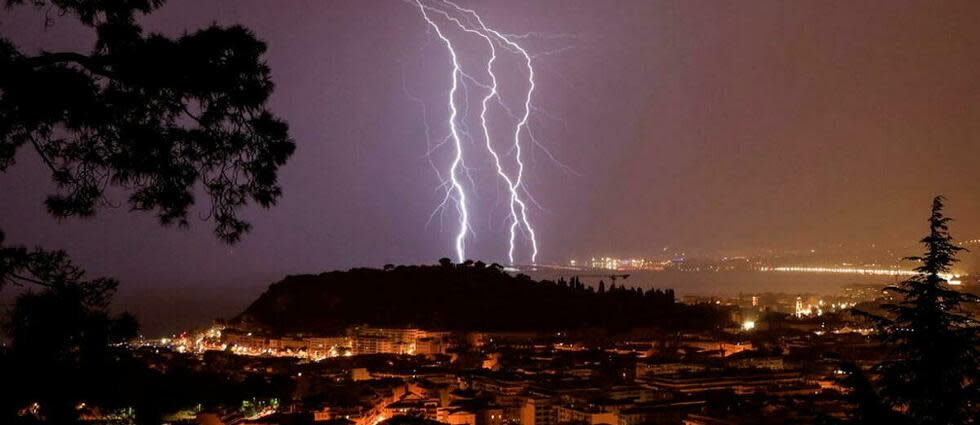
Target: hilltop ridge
{"points": [[469, 296]]}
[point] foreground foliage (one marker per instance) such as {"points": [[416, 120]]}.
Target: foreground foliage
{"points": [[150, 115], [932, 374], [154, 118]]}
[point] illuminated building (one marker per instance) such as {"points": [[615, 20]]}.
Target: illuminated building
{"points": [[538, 409], [658, 413], [484, 415], [367, 340], [740, 384], [360, 374], [413, 405], [320, 347], [585, 414], [645, 368], [610, 263], [457, 417]]}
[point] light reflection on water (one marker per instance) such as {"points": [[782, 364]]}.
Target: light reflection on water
{"points": [[724, 283]]}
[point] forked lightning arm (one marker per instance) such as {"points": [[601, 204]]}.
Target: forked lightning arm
{"points": [[464, 219], [518, 207]]}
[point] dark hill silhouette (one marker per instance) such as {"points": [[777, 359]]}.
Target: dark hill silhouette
{"points": [[469, 296]]}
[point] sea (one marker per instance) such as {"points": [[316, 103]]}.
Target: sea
{"points": [[723, 283]]}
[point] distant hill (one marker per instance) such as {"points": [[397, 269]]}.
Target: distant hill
{"points": [[460, 297]]}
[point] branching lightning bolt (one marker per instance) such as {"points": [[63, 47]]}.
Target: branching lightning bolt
{"points": [[472, 23], [464, 220]]}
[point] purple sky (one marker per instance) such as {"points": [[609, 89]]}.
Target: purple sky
{"points": [[701, 125]]}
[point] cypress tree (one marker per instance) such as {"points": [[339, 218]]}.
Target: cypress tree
{"points": [[931, 375]]}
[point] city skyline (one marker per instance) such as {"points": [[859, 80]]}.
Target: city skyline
{"points": [[715, 138]]}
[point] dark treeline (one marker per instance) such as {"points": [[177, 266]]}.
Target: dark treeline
{"points": [[468, 296], [159, 121]]}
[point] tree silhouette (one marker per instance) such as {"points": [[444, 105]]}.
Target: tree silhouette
{"points": [[60, 334], [933, 371], [869, 407], [496, 267], [151, 115], [154, 117]]}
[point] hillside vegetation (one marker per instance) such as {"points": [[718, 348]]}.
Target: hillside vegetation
{"points": [[470, 296]]}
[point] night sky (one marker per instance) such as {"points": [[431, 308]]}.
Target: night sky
{"points": [[703, 126]]}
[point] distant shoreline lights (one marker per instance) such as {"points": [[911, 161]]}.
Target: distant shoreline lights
{"points": [[952, 278]]}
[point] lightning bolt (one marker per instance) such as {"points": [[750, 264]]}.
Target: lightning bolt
{"points": [[521, 125], [464, 215], [475, 25]]}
